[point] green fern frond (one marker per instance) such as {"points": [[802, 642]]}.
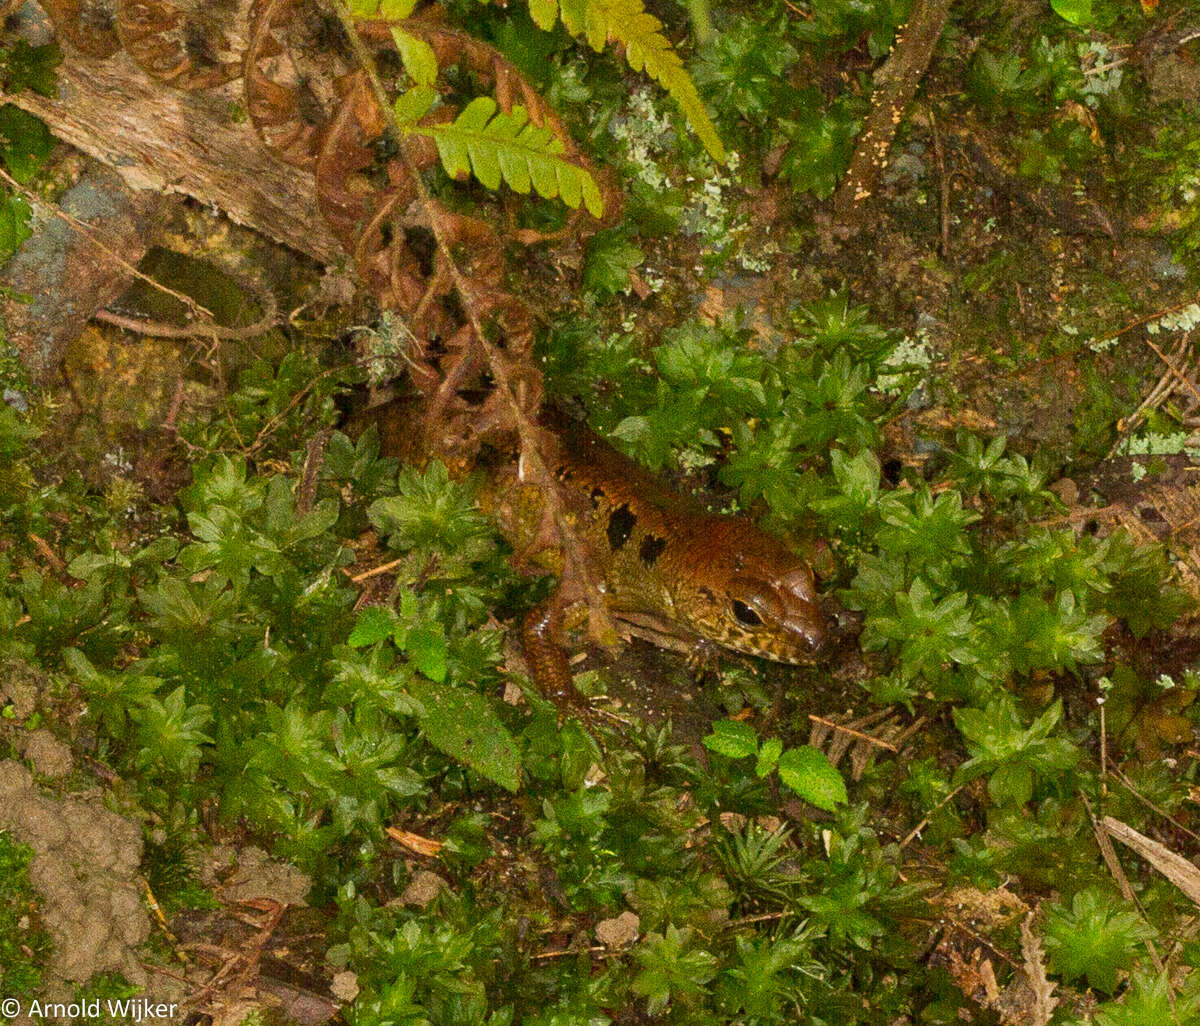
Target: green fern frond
{"points": [[496, 147], [627, 22]]}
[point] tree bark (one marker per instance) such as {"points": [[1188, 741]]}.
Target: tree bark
{"points": [[896, 84], [158, 141], [193, 143]]}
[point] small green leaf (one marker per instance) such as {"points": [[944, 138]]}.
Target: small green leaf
{"points": [[768, 756], [396, 10], [732, 738], [999, 744], [544, 13], [1077, 12], [505, 146], [417, 55], [611, 256], [810, 774], [464, 726], [1151, 1000], [574, 14], [374, 624], [672, 969], [628, 24], [86, 565], [426, 647], [388, 10], [485, 162], [414, 104], [579, 754], [931, 634], [1097, 937]]}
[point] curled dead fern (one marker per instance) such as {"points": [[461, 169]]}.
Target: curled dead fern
{"points": [[75, 23], [272, 87], [173, 48]]}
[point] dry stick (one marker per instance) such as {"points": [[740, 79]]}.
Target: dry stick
{"points": [[269, 319], [1113, 336], [1170, 864], [161, 918], [539, 956], [1174, 369], [1163, 42], [249, 959], [34, 199], [162, 329], [762, 917], [896, 84], [383, 568], [854, 733], [1156, 395], [943, 182], [871, 719], [47, 552], [530, 452], [928, 816], [1103, 751], [1144, 320], [1159, 392]]}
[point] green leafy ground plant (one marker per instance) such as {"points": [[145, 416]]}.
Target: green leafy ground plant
{"points": [[805, 769], [215, 657], [222, 661], [24, 945]]}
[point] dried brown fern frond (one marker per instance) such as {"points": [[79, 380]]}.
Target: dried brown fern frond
{"points": [[178, 47], [273, 89], [491, 349], [861, 738], [89, 28]]}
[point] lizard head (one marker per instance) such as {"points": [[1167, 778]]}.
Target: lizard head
{"points": [[749, 593]]}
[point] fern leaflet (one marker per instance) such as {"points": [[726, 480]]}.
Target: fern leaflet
{"points": [[496, 147], [628, 23]]}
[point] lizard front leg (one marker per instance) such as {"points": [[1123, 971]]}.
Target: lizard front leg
{"points": [[541, 639]]}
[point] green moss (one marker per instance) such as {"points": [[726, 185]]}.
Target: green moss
{"points": [[24, 946]]}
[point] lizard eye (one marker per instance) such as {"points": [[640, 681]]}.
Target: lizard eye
{"points": [[745, 615]]}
